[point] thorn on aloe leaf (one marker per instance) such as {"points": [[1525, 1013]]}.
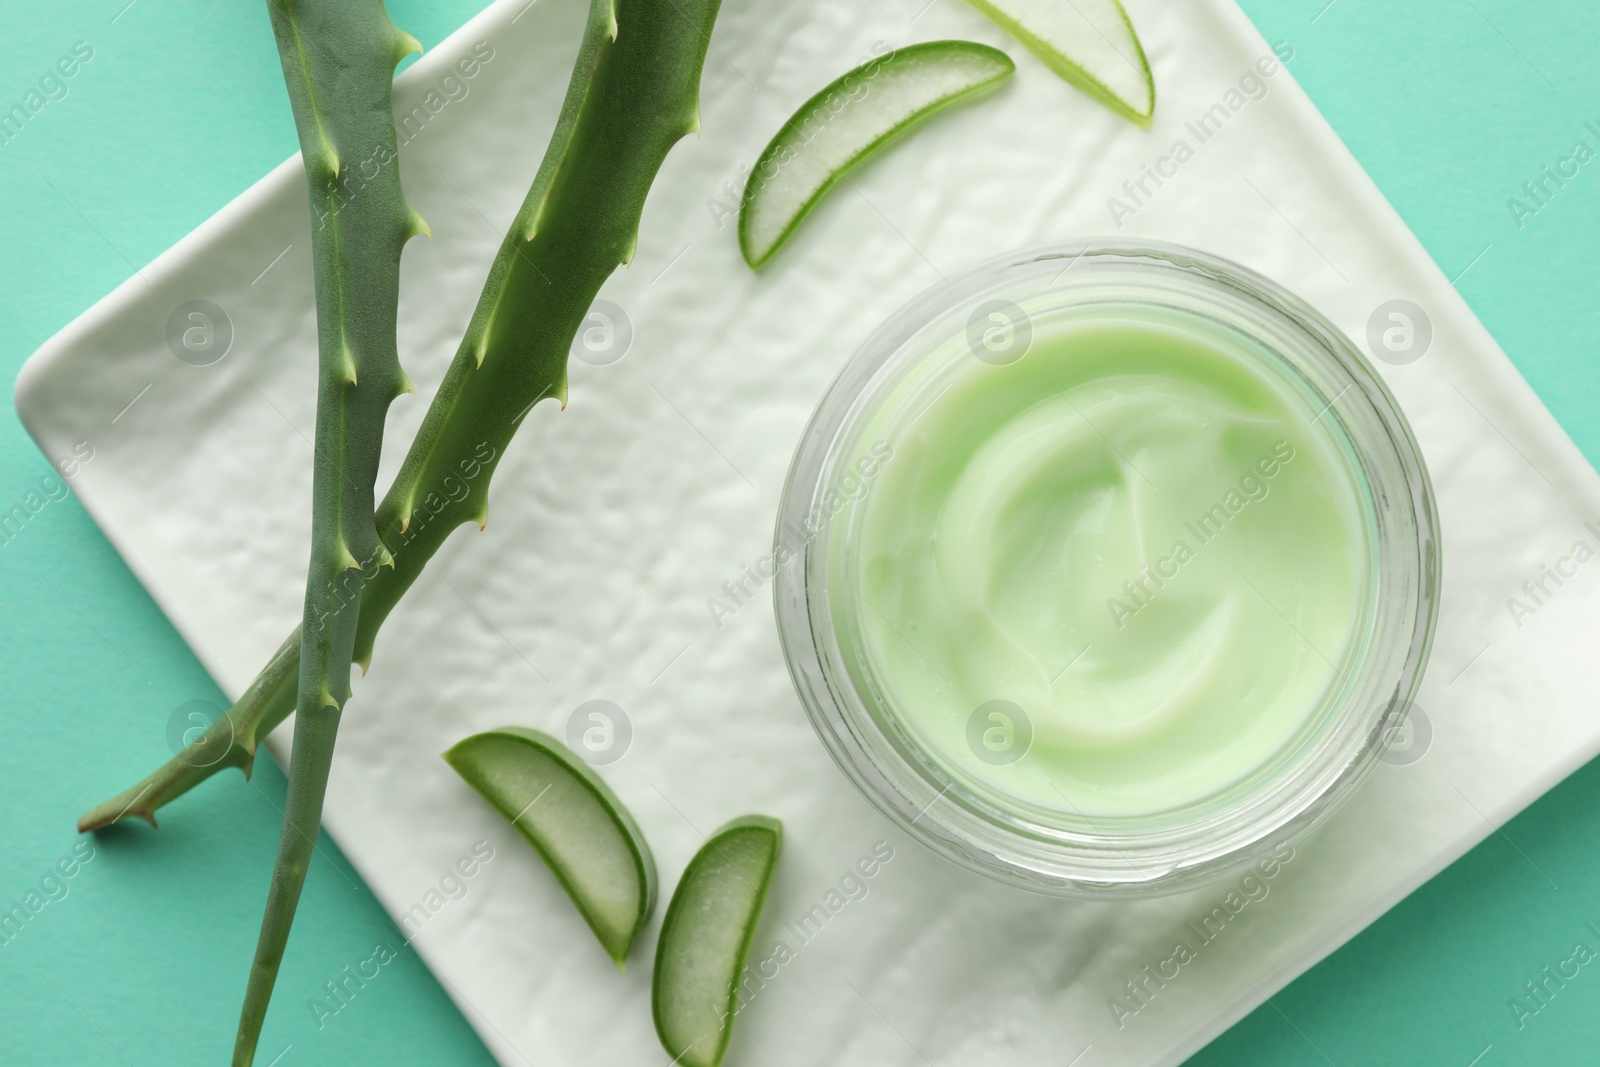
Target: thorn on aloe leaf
{"points": [[418, 226], [347, 559], [104, 816], [407, 506], [404, 45]]}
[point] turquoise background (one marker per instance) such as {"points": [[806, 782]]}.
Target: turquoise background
{"points": [[1450, 105]]}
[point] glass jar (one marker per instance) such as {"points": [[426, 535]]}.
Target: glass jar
{"points": [[995, 312]]}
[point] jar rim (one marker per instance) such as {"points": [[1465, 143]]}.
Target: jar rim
{"points": [[1118, 857]]}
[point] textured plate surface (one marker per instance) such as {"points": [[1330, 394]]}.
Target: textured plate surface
{"points": [[615, 521]]}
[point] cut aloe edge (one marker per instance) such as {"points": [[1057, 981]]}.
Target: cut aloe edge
{"points": [[573, 820], [849, 120], [1090, 43], [705, 938]]}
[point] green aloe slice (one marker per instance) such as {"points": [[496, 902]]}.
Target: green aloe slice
{"points": [[573, 820], [848, 121], [705, 938], [1090, 43]]}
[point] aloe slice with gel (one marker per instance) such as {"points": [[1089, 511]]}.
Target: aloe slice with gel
{"points": [[573, 820], [849, 120], [1090, 43], [705, 938]]}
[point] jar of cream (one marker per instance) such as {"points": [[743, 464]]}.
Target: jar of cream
{"points": [[1107, 568]]}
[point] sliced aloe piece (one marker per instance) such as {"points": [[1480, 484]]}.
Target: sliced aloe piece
{"points": [[848, 121], [1090, 43], [705, 938], [573, 820]]}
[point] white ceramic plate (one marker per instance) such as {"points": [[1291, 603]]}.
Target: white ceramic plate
{"points": [[614, 522]]}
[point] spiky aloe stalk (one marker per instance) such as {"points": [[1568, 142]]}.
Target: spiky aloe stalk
{"points": [[338, 64], [634, 93]]}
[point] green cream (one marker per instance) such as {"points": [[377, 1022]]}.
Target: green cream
{"points": [[1139, 534]]}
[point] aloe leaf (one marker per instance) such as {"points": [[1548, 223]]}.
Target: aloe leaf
{"points": [[705, 938], [231, 741], [573, 820], [338, 59], [848, 121], [634, 93], [1090, 43]]}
